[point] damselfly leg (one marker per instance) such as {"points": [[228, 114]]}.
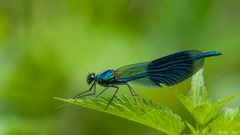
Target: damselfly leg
{"points": [[134, 94], [112, 96], [102, 92], [80, 95], [132, 90]]}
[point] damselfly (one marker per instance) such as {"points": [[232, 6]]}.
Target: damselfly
{"points": [[165, 71]]}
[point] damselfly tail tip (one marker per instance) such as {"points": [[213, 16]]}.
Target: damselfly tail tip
{"points": [[211, 53], [217, 53]]}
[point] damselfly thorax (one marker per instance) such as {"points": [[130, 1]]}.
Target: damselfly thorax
{"points": [[109, 78]]}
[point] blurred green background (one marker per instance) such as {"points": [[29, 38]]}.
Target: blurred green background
{"points": [[47, 47]]}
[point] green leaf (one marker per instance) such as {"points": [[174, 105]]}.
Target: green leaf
{"points": [[227, 122], [198, 92], [204, 113], [198, 103], [140, 111], [192, 129]]}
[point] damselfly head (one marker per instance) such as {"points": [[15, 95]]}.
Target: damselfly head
{"points": [[90, 78]]}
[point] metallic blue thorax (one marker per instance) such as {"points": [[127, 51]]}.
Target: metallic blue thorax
{"points": [[106, 77]]}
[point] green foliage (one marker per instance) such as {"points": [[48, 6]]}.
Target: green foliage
{"points": [[144, 112], [227, 122], [206, 114], [209, 117]]}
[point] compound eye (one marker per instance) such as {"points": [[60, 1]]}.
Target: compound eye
{"points": [[90, 78]]}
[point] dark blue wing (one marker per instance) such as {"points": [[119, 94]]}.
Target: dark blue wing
{"points": [[169, 70]]}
